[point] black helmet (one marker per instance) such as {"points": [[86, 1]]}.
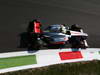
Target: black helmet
{"points": [[75, 26]]}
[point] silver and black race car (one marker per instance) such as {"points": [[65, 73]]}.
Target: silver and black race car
{"points": [[53, 37]]}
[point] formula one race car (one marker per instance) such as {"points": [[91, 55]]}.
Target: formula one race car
{"points": [[53, 37]]}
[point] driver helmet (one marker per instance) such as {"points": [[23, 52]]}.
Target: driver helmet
{"points": [[75, 26]]}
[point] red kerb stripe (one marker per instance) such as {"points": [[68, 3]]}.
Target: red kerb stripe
{"points": [[70, 55]]}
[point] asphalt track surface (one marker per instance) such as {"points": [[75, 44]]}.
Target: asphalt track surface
{"points": [[16, 14]]}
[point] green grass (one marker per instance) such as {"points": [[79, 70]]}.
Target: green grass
{"points": [[80, 68], [99, 52], [17, 61]]}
